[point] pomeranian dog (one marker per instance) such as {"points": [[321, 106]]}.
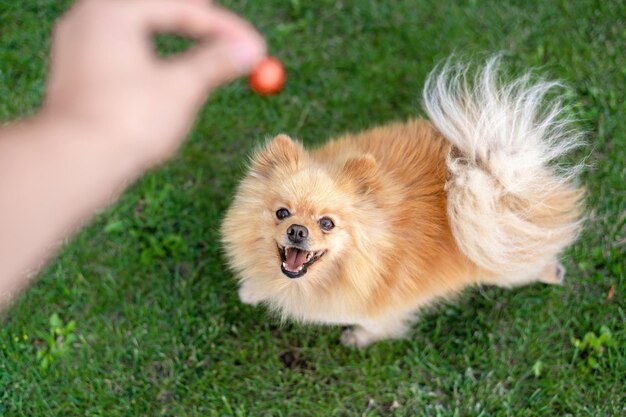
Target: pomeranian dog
{"points": [[371, 227]]}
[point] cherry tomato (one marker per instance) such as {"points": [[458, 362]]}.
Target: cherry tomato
{"points": [[268, 77]]}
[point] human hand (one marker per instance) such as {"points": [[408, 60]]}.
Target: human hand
{"points": [[106, 77]]}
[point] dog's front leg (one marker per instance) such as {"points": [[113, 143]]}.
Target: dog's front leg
{"points": [[373, 330], [249, 295]]}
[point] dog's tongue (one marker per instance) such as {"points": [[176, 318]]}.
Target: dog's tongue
{"points": [[295, 258]]}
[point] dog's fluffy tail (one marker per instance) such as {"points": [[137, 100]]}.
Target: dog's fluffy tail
{"points": [[511, 209]]}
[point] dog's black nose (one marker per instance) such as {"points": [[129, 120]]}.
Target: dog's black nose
{"points": [[297, 233]]}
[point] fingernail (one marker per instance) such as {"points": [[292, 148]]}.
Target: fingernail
{"points": [[246, 54]]}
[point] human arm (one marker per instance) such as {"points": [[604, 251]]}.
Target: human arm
{"points": [[113, 109]]}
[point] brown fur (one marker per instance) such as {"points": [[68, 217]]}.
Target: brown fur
{"points": [[417, 216], [385, 189]]}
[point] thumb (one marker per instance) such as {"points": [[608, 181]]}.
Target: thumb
{"points": [[211, 64]]}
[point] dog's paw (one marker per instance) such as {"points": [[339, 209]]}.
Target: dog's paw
{"points": [[247, 296], [559, 273], [356, 337], [554, 274]]}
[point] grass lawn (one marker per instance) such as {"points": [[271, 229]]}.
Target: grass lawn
{"points": [[138, 315]]}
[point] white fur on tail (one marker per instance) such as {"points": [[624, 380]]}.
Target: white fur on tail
{"points": [[510, 208]]}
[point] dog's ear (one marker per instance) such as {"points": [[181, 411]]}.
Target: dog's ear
{"points": [[361, 172], [281, 151]]}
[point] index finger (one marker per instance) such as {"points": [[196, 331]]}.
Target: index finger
{"points": [[191, 18]]}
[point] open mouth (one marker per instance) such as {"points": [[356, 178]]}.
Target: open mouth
{"points": [[295, 261]]}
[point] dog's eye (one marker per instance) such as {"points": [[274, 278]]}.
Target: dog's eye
{"points": [[282, 213], [326, 223]]}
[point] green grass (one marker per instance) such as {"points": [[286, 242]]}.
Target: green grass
{"points": [[158, 327]]}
